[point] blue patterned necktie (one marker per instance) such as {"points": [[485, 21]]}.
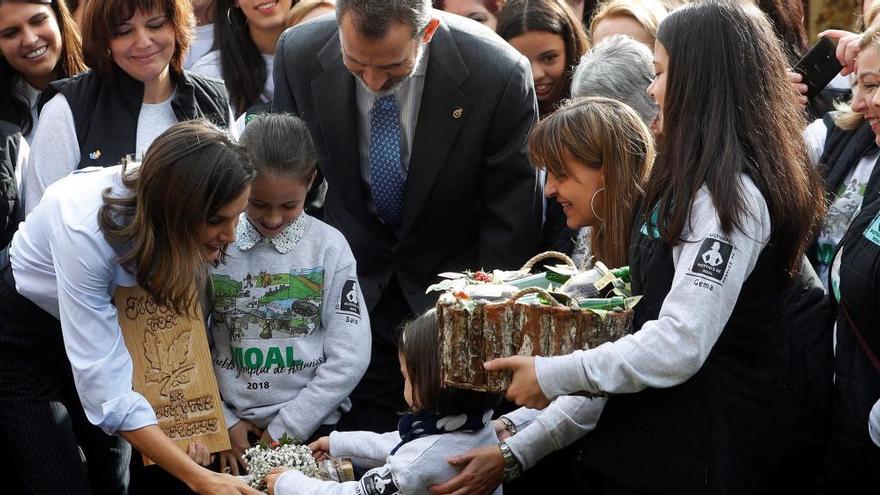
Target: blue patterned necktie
{"points": [[386, 177]]}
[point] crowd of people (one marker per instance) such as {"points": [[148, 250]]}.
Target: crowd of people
{"points": [[303, 170]]}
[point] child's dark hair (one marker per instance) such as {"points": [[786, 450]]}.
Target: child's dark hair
{"points": [[280, 144], [420, 347]]}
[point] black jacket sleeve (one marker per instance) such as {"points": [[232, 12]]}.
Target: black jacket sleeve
{"points": [[10, 206]]}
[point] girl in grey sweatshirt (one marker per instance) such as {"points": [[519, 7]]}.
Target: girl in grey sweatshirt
{"points": [[289, 327]]}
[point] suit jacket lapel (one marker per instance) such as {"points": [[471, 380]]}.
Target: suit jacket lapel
{"points": [[442, 114], [333, 91]]}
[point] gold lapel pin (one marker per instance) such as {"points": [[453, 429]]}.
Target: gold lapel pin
{"points": [[457, 113]]}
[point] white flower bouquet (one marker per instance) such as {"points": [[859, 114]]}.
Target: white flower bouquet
{"points": [[284, 453]]}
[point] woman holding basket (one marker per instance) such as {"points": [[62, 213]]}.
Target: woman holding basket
{"points": [[729, 208]]}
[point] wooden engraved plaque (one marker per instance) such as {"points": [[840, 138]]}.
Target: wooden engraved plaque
{"points": [[172, 369]]}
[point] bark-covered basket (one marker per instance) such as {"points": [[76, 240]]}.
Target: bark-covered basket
{"points": [[475, 331]]}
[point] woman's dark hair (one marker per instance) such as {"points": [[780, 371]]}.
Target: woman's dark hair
{"points": [[241, 63], [729, 109], [189, 172], [14, 106], [420, 347], [518, 17], [787, 17], [280, 145], [101, 18]]}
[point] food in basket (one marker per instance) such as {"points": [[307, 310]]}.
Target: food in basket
{"points": [[547, 314]]}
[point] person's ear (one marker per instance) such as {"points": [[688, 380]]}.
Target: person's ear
{"points": [[430, 29], [311, 180]]}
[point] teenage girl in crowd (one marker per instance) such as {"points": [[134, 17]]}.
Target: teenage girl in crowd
{"points": [[39, 43], [291, 334], [136, 90], [552, 38], [598, 154], [730, 206], [638, 19], [442, 422], [482, 11], [156, 226], [853, 463], [245, 34]]}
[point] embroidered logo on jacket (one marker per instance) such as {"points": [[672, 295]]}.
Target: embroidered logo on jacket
{"points": [[713, 259], [378, 483], [348, 301]]}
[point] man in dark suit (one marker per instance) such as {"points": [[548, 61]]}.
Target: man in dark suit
{"points": [[420, 119]]}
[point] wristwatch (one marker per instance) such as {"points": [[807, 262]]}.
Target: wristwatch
{"points": [[512, 467]]}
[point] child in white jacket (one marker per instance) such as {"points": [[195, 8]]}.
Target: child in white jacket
{"points": [[442, 423]]}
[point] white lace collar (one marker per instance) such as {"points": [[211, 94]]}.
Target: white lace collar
{"points": [[247, 236]]}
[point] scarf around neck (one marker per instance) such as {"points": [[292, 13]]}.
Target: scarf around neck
{"points": [[422, 424]]}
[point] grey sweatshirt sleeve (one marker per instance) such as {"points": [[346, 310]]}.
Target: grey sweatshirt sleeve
{"points": [[522, 417], [229, 416], [874, 423], [710, 268], [417, 465], [346, 350], [402, 473], [296, 483], [54, 152], [565, 420], [366, 449]]}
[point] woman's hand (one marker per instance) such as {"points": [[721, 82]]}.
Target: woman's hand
{"points": [[500, 429], [847, 48], [238, 436], [199, 452], [524, 389], [320, 448], [223, 484], [272, 477], [800, 88], [266, 437], [232, 463], [482, 470]]}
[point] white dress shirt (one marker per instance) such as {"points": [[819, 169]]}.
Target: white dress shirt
{"points": [[62, 263]]}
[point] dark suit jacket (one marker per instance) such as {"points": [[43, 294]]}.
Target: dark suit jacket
{"points": [[471, 198]]}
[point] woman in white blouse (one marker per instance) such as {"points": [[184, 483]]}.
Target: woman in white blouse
{"points": [[155, 226]]}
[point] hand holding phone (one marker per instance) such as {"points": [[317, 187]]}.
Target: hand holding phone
{"points": [[847, 48], [819, 66]]}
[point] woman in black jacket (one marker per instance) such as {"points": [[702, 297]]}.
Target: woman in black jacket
{"points": [[136, 89], [729, 209], [853, 463], [13, 152]]}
